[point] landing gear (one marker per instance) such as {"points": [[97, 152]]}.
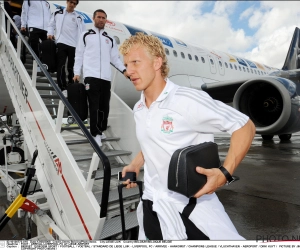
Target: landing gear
{"points": [[14, 156], [267, 137], [285, 137], [70, 120]]}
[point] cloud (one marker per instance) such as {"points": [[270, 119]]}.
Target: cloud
{"points": [[273, 23], [246, 13]]}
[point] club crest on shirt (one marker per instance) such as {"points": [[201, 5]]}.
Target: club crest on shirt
{"points": [[167, 125], [107, 41], [73, 19]]}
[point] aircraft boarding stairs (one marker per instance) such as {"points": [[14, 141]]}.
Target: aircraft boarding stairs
{"points": [[79, 198]]}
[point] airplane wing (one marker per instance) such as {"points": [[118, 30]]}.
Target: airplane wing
{"points": [[223, 91]]}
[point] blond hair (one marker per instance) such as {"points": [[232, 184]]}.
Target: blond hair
{"points": [[153, 46]]}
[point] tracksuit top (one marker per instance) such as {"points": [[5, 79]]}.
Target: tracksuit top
{"points": [[37, 15], [58, 20], [95, 51]]}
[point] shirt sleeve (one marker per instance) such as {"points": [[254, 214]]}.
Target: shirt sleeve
{"points": [[52, 25], [206, 115], [24, 14], [115, 57], [79, 55]]}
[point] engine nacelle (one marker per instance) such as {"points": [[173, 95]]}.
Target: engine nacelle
{"points": [[272, 103]]}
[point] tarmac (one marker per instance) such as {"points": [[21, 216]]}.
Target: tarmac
{"points": [[264, 204]]}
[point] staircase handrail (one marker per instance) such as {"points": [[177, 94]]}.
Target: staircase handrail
{"points": [[99, 152]]}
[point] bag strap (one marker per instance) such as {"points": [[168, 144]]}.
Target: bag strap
{"points": [[189, 207]]}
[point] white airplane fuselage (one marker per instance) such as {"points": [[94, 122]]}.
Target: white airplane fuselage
{"points": [[190, 66]]}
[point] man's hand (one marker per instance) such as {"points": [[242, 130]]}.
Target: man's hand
{"points": [[215, 179], [130, 168], [23, 29], [50, 37], [76, 78]]}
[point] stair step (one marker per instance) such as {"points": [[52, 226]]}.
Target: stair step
{"points": [[51, 106], [114, 227], [107, 153], [73, 127], [114, 194], [41, 73], [50, 96], [114, 172], [44, 88], [42, 80], [73, 142]]}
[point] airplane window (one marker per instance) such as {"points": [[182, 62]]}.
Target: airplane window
{"points": [[220, 63], [182, 55], [255, 71], [175, 53], [167, 51], [235, 67], [244, 69], [202, 59], [251, 71], [240, 68], [226, 65], [117, 39], [196, 58], [211, 61], [230, 65], [258, 72], [190, 57], [248, 70]]}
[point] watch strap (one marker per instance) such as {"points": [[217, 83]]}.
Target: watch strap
{"points": [[228, 176]]}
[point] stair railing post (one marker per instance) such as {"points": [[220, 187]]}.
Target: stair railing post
{"points": [[59, 117], [92, 173], [8, 30], [34, 74], [19, 44]]}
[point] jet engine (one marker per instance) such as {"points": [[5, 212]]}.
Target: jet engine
{"points": [[272, 103]]}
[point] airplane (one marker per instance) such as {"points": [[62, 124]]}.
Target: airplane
{"points": [[266, 94]]}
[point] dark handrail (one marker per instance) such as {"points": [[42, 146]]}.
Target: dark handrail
{"points": [[102, 156]]}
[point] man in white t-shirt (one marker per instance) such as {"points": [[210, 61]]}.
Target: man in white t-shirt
{"points": [[169, 117], [68, 26]]}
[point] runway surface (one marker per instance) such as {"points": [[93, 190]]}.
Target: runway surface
{"points": [[264, 203]]}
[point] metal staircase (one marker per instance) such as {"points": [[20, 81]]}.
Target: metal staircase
{"points": [[77, 177]]}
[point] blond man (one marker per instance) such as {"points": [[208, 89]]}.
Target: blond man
{"points": [[192, 117]]}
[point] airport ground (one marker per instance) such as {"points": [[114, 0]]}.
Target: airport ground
{"points": [[263, 204]]}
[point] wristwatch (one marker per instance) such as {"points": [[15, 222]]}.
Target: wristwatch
{"points": [[228, 176]]}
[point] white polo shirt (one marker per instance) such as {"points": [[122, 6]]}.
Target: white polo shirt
{"points": [[181, 117]]}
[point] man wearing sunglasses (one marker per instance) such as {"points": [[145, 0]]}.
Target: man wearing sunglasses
{"points": [[68, 25]]}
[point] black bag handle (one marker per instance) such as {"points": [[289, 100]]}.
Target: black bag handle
{"points": [[120, 188]]}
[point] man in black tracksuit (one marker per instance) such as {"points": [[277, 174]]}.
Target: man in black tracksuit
{"points": [[68, 25], [95, 51]]}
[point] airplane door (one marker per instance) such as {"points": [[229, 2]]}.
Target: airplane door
{"points": [[221, 66], [212, 63]]}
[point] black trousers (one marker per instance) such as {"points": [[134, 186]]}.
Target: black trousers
{"points": [[35, 35], [98, 97], [63, 52], [152, 227]]}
